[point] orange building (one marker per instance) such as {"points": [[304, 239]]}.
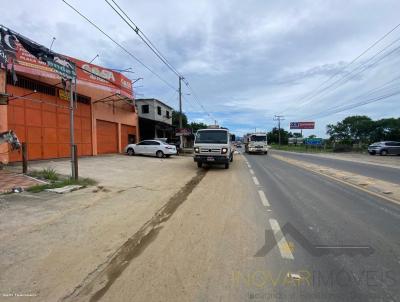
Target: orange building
{"points": [[105, 118]]}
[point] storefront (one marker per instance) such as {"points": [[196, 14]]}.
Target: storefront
{"points": [[38, 110]]}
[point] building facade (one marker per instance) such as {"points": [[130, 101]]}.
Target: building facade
{"points": [[155, 119], [38, 110]]}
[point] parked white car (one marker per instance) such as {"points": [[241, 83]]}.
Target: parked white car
{"points": [[151, 147]]}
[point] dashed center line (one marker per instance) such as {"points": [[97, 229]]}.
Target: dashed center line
{"points": [[251, 172], [256, 181], [283, 245], [263, 198]]}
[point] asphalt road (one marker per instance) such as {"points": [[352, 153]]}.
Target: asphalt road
{"points": [[331, 214], [365, 169]]}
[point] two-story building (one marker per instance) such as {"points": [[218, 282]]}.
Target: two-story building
{"points": [[155, 119], [105, 119]]}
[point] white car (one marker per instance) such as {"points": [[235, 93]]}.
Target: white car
{"points": [[151, 147]]}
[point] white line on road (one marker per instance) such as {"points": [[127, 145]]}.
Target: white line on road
{"points": [[263, 198], [283, 245], [251, 172], [248, 165], [256, 181]]}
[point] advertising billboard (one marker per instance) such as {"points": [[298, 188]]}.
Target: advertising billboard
{"points": [[302, 125]]}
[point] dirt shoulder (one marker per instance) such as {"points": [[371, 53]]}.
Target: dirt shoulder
{"points": [[385, 161], [51, 242]]}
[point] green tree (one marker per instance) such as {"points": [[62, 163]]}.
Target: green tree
{"points": [[353, 129], [196, 126], [273, 136], [175, 119]]}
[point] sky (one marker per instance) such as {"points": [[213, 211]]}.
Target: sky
{"points": [[246, 61]]}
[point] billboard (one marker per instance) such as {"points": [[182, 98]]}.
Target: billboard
{"points": [[302, 125]]}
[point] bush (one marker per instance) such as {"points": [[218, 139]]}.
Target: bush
{"points": [[46, 174]]}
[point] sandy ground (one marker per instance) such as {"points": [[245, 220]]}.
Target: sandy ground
{"points": [[50, 243]]}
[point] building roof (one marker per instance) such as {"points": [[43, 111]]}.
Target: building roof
{"points": [[153, 99]]}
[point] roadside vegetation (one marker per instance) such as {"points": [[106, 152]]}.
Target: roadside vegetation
{"points": [[352, 134], [55, 180]]}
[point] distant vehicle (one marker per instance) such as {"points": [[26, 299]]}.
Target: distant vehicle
{"points": [[213, 146], [256, 143], [151, 147], [384, 148]]}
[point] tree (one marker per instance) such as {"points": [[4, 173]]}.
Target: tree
{"points": [[273, 136], [196, 126], [362, 129], [175, 119]]}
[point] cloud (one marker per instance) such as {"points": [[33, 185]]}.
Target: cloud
{"points": [[246, 60]]}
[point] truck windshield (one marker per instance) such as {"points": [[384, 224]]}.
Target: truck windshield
{"points": [[258, 138], [212, 137]]}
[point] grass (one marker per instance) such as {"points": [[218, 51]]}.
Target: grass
{"points": [[85, 182], [55, 180], [302, 148], [46, 174]]}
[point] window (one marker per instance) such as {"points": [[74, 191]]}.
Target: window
{"points": [[145, 108], [167, 114], [154, 143], [158, 110], [144, 143]]}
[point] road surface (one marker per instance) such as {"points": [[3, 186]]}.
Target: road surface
{"points": [[264, 230], [365, 169]]}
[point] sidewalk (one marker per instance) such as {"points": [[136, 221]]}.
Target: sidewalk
{"points": [[9, 180]]}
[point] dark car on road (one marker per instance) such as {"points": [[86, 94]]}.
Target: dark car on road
{"points": [[384, 148]]}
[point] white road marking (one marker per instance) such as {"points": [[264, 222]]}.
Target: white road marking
{"points": [[283, 245], [251, 172], [256, 181], [248, 165], [263, 198]]}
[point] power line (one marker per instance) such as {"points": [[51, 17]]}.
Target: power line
{"points": [[142, 36], [119, 45], [347, 65], [125, 17]]}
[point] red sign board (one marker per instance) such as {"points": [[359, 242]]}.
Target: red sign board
{"points": [[89, 74], [302, 125]]}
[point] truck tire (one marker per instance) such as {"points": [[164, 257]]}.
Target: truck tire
{"points": [[266, 152], [227, 166], [231, 159], [199, 164]]}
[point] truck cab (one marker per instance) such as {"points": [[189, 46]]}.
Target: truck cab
{"points": [[256, 143], [213, 146]]}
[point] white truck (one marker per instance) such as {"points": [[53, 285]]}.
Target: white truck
{"points": [[213, 146], [256, 142]]}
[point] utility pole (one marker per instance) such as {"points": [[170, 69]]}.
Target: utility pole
{"points": [[71, 121], [279, 118], [180, 111]]}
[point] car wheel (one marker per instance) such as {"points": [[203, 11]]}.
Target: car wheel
{"points": [[266, 152], [227, 166], [371, 153], [130, 152], [383, 152], [160, 154], [199, 164]]}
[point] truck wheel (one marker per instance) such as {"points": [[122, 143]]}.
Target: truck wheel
{"points": [[266, 152], [231, 159], [199, 164], [227, 166]]}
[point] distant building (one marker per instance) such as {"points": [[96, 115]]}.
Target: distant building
{"points": [[155, 119]]}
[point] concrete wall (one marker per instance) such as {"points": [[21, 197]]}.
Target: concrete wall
{"points": [[153, 112]]}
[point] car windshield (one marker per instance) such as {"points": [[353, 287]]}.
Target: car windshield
{"points": [[377, 144], [212, 137], [258, 138]]}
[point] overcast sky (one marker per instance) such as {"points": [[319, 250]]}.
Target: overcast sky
{"points": [[246, 60]]}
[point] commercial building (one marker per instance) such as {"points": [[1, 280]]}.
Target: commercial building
{"points": [[105, 119], [155, 119]]}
